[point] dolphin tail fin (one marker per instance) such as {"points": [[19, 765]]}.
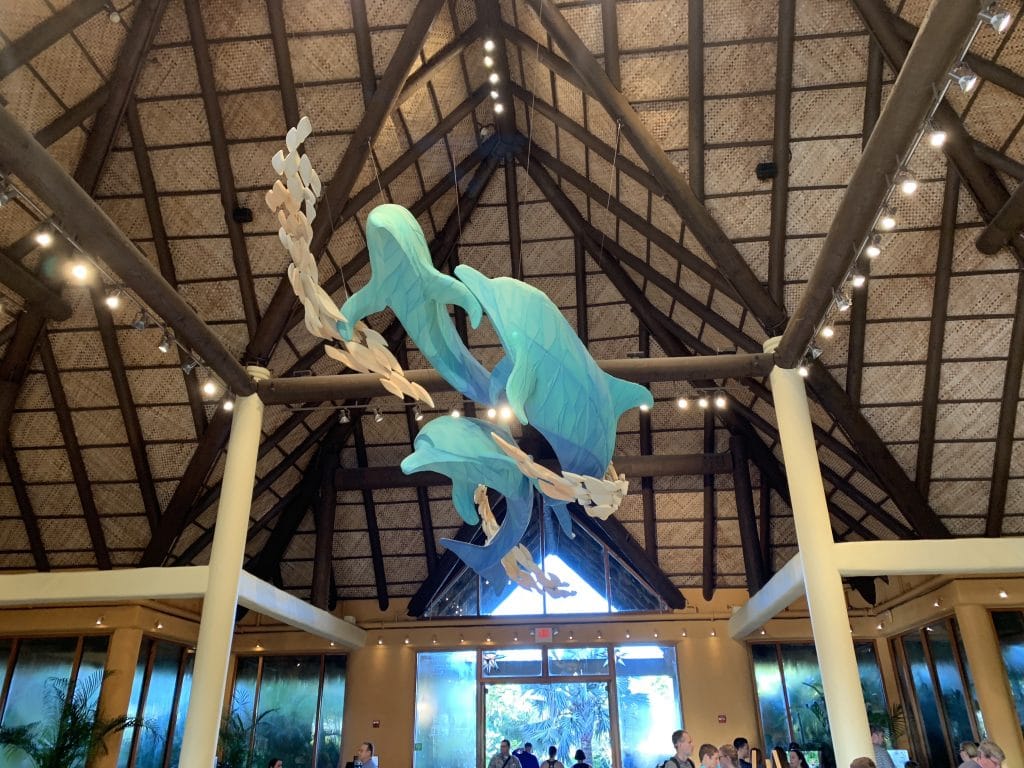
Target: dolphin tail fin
{"points": [[626, 395], [482, 559], [451, 291]]}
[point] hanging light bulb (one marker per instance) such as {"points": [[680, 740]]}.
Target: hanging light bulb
{"points": [[378, 417], [874, 247], [907, 183], [827, 332], [998, 19], [720, 401], [417, 414], [113, 298], [166, 342], [141, 321], [344, 417], [505, 413], [702, 401], [488, 45], [493, 78], [456, 413], [210, 387], [80, 271], [644, 407], [229, 405], [843, 301], [44, 237], [494, 95], [965, 77], [936, 136], [491, 413], [499, 107], [887, 221], [683, 403], [857, 280], [488, 62], [803, 370]]}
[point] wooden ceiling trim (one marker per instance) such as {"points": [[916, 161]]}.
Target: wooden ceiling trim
{"points": [[222, 161], [73, 118], [46, 33], [937, 331], [781, 152], [75, 459], [28, 515]]}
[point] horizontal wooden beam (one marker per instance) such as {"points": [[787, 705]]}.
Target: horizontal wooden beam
{"points": [[32, 289], [1005, 225], [356, 385], [45, 34]]}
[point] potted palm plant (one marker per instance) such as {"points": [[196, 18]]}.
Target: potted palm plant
{"points": [[73, 734]]}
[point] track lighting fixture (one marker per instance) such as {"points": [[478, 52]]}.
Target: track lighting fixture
{"points": [[628, 635], [44, 237], [874, 247], [406, 641], [493, 78], [488, 62], [827, 332], [998, 19], [843, 301], [683, 633], [488, 45], [887, 221], [113, 299], [492, 413], [906, 182], [7, 194], [702, 401], [505, 413], [965, 77], [378, 417], [417, 414], [189, 365], [80, 271], [644, 407], [813, 351], [456, 413], [720, 401], [229, 405], [936, 136], [763, 632], [99, 621], [380, 641], [166, 342], [141, 322], [683, 403], [344, 417], [1003, 594], [803, 370], [857, 280], [210, 387]]}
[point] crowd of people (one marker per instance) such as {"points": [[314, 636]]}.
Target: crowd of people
{"points": [[739, 754]]}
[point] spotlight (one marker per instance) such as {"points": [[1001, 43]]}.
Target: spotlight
{"points": [[683, 403], [493, 78], [417, 414], [210, 387], [344, 417], [189, 365], [827, 332], [655, 636], [936, 137], [229, 405], [499, 107], [713, 632], [258, 646], [494, 95], [488, 45], [1002, 594], [874, 247], [505, 413], [857, 280], [684, 633], [7, 194], [380, 641], [462, 640], [141, 321], [113, 299], [165, 342], [456, 413], [487, 639], [702, 401], [491, 413], [406, 641], [433, 640], [159, 625], [99, 621], [378, 417], [887, 221], [879, 626], [720, 401], [803, 370], [80, 271], [964, 77], [843, 301], [997, 19], [813, 351], [573, 637], [644, 407], [600, 635], [44, 237], [628, 635], [907, 183], [763, 632], [115, 17], [488, 62], [937, 603]]}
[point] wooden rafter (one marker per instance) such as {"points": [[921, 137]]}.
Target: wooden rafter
{"points": [[580, 271], [29, 327], [764, 524], [324, 513], [441, 57], [372, 527], [753, 561], [610, 32], [694, 99], [65, 122], [164, 257], [364, 49], [781, 152], [283, 60], [515, 238], [710, 513], [937, 331], [46, 33], [488, 13], [28, 515], [47, 301], [74, 452], [222, 161], [647, 495]]}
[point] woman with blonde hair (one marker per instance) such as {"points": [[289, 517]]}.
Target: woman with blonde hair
{"points": [[990, 755]]}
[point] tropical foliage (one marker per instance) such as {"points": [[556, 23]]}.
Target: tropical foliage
{"points": [[73, 735], [238, 732]]}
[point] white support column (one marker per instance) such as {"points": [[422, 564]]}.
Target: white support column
{"points": [[986, 663], [217, 624], [830, 622]]}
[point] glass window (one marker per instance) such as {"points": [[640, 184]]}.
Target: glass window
{"points": [[585, 576], [647, 689], [332, 710], [577, 662], [927, 699], [133, 701], [947, 669], [1010, 630], [771, 697], [444, 735], [627, 592], [511, 662], [38, 661], [182, 710], [289, 687]]}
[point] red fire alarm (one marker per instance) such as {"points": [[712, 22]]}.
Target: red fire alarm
{"points": [[543, 634], [721, 719]]}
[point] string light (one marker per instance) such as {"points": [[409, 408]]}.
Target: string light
{"points": [[874, 247], [488, 45], [113, 299], [906, 182], [493, 78], [378, 417], [488, 62], [494, 95], [683, 403], [720, 401], [491, 413], [229, 405], [702, 402], [499, 107], [165, 342], [505, 413]]}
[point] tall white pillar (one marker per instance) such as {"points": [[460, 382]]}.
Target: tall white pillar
{"points": [[981, 644], [826, 601], [217, 624]]}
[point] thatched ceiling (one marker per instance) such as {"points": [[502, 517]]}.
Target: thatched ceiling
{"points": [[92, 489]]}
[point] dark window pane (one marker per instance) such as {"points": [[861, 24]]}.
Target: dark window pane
{"points": [[566, 662], [181, 712], [770, 699], [927, 700], [1010, 629], [287, 704], [133, 702], [332, 710], [39, 660], [951, 686], [511, 662], [157, 706]]}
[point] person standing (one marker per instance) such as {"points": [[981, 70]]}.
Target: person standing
{"points": [[553, 761], [683, 744], [504, 758], [728, 756], [990, 755], [581, 759], [708, 756], [742, 747], [364, 757], [526, 757], [968, 754], [882, 757]]}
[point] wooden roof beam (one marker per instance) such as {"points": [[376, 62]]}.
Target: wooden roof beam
{"points": [[441, 57], [781, 151], [937, 330], [28, 328], [610, 32], [372, 527], [323, 516], [283, 60], [710, 522], [515, 237], [65, 122], [222, 161], [47, 301], [647, 495], [364, 49], [46, 33], [1005, 225], [753, 562], [707, 231], [694, 103], [488, 13], [74, 452], [28, 515]]}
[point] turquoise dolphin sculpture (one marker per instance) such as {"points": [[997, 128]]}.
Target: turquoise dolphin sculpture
{"points": [[463, 450], [548, 377], [404, 278]]}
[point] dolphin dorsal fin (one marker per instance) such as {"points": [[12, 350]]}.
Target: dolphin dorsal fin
{"points": [[627, 394]]}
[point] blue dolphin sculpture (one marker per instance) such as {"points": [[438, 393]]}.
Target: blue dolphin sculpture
{"points": [[463, 450], [549, 378], [404, 278]]}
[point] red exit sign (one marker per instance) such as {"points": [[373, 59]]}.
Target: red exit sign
{"points": [[543, 634]]}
